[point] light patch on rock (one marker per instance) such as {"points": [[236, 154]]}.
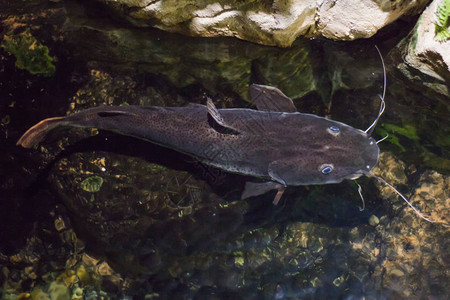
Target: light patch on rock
{"points": [[211, 10], [278, 23], [348, 20], [282, 19], [204, 25]]}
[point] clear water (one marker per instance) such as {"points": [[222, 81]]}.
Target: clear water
{"points": [[171, 228]]}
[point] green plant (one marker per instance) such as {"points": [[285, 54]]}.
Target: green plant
{"points": [[442, 22], [30, 54]]}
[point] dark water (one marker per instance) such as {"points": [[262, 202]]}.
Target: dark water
{"points": [[117, 217]]}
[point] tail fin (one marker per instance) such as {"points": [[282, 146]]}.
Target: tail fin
{"points": [[37, 133]]}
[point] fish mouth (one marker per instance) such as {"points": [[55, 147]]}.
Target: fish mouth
{"points": [[356, 175]]}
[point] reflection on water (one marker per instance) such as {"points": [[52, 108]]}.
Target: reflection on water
{"points": [[101, 214]]}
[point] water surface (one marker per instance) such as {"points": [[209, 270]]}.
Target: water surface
{"points": [[120, 217]]}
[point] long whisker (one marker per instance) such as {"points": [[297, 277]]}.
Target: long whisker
{"points": [[369, 130], [384, 73], [379, 141], [362, 198], [403, 197]]}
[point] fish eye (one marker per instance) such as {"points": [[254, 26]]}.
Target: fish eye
{"points": [[334, 130], [326, 169]]}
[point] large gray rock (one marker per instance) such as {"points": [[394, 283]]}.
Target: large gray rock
{"points": [[276, 22], [426, 59]]}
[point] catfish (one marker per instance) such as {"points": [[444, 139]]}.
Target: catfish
{"points": [[274, 142]]}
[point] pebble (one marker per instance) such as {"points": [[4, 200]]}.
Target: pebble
{"points": [[373, 220]]}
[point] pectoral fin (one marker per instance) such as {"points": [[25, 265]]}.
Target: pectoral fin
{"points": [[268, 98], [218, 122], [255, 189]]}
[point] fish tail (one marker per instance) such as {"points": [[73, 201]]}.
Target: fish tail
{"points": [[37, 133]]}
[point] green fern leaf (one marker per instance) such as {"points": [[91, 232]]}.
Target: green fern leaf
{"points": [[442, 14], [442, 32]]}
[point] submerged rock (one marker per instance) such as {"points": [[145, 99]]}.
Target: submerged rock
{"points": [[373, 220], [412, 251], [59, 291], [218, 65]]}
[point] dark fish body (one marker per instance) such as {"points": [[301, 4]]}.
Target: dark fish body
{"points": [[274, 142], [286, 148]]}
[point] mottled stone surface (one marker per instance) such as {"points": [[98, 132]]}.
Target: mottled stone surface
{"points": [[425, 59], [276, 22]]}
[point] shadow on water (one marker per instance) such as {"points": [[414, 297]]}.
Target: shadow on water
{"points": [[298, 201], [110, 142], [26, 199]]}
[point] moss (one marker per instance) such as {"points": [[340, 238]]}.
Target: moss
{"points": [[442, 22], [391, 138], [6, 120], [407, 131], [392, 131], [415, 35], [92, 184], [30, 54], [436, 162]]}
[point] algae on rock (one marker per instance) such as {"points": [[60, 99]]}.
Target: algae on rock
{"points": [[92, 184], [30, 54]]}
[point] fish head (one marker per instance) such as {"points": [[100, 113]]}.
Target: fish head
{"points": [[334, 152], [350, 156]]}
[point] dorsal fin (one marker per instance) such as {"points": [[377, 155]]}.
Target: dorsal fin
{"points": [[191, 104], [269, 98], [217, 121]]}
